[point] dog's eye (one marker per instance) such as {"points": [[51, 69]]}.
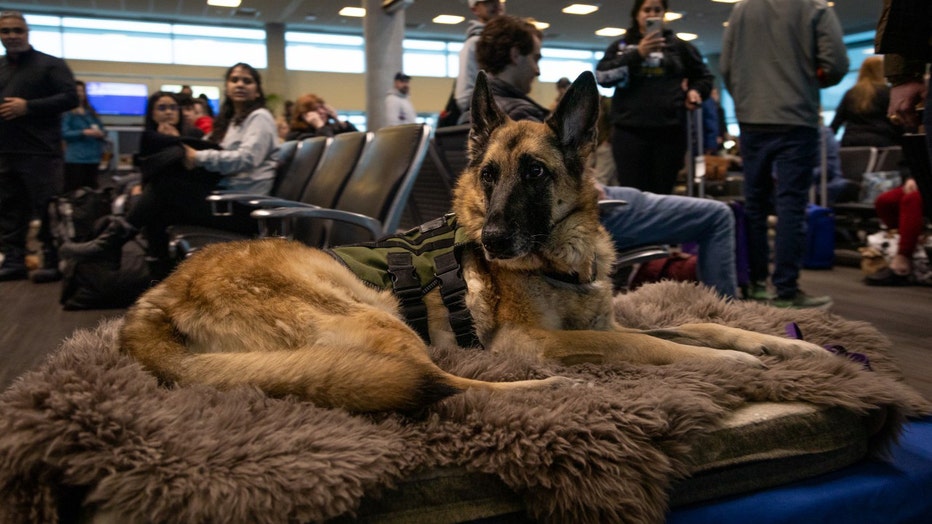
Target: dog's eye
{"points": [[535, 170], [487, 175]]}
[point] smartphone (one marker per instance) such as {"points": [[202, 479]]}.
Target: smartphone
{"points": [[654, 24]]}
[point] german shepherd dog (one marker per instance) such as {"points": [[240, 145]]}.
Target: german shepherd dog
{"points": [[290, 319]]}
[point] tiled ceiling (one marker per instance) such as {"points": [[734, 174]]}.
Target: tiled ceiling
{"points": [[701, 17]]}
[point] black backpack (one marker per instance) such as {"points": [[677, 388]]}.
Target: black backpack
{"points": [[77, 216], [450, 115]]}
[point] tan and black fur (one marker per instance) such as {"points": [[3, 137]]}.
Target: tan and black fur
{"points": [[289, 319]]}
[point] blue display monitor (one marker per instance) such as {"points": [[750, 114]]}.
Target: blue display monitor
{"points": [[118, 98]]}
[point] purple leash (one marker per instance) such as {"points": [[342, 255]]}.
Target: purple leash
{"points": [[793, 331]]}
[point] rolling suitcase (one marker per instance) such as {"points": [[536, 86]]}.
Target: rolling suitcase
{"points": [[820, 221]]}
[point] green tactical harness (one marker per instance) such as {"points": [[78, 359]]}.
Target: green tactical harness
{"points": [[411, 265]]}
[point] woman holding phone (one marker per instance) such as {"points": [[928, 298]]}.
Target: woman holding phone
{"points": [[657, 77]]}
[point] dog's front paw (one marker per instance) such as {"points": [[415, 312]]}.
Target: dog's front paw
{"points": [[741, 357], [787, 347]]}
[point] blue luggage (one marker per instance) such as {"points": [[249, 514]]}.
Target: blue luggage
{"points": [[820, 238]]}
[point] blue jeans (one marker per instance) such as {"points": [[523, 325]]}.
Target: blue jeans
{"points": [[670, 219], [793, 154]]}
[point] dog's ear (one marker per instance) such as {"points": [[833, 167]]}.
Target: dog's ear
{"points": [[486, 116], [574, 120]]}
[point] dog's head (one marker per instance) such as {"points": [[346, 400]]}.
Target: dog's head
{"points": [[524, 196]]}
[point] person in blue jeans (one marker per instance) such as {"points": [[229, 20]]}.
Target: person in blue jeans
{"points": [[775, 87], [649, 218]]}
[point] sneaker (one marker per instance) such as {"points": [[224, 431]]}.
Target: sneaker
{"points": [[804, 301], [758, 291]]}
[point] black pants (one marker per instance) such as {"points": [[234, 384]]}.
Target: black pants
{"points": [[180, 198], [27, 183], [649, 158]]}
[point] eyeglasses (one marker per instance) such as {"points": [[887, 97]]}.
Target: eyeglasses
{"points": [[12, 30], [167, 107]]}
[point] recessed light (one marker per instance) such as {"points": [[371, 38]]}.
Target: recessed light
{"points": [[580, 9], [540, 25], [727, 1], [611, 31], [224, 3], [687, 36], [670, 16], [355, 12], [447, 19]]}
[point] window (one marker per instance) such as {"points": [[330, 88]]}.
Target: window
{"points": [[321, 52], [147, 42]]}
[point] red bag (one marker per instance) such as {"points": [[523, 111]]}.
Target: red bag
{"points": [[679, 266]]}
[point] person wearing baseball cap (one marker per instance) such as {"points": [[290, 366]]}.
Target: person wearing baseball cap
{"points": [[398, 107]]}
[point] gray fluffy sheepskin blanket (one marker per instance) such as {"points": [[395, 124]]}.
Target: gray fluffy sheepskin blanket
{"points": [[92, 418]]}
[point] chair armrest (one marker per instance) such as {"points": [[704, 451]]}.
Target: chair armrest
{"points": [[371, 225], [640, 254]]}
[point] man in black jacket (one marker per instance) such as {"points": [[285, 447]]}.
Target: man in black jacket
{"points": [[35, 89]]}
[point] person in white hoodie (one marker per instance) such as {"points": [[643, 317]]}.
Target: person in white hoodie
{"points": [[398, 107]]}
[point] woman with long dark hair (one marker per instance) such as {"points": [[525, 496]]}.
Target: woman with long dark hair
{"points": [[179, 173], [84, 137], [657, 77]]}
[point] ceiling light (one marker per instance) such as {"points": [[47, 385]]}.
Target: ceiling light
{"points": [[540, 25], [611, 31], [580, 9], [224, 3], [355, 12], [447, 19], [670, 16], [727, 1], [687, 36]]}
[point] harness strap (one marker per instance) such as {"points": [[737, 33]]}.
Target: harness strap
{"points": [[453, 293], [407, 288]]}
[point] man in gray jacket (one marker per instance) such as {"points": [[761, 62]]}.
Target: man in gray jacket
{"points": [[776, 55]]}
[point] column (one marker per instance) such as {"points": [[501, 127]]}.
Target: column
{"points": [[383, 33]]}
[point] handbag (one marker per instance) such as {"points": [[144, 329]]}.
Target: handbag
{"points": [[678, 266], [873, 183], [879, 252]]}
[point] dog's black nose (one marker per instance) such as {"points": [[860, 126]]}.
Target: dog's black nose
{"points": [[498, 243]]}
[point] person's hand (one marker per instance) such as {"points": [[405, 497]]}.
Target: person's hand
{"points": [[910, 186], [167, 129], [189, 158], [693, 100], [650, 43], [314, 119], [903, 101], [93, 132], [13, 107], [601, 189], [331, 112]]}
